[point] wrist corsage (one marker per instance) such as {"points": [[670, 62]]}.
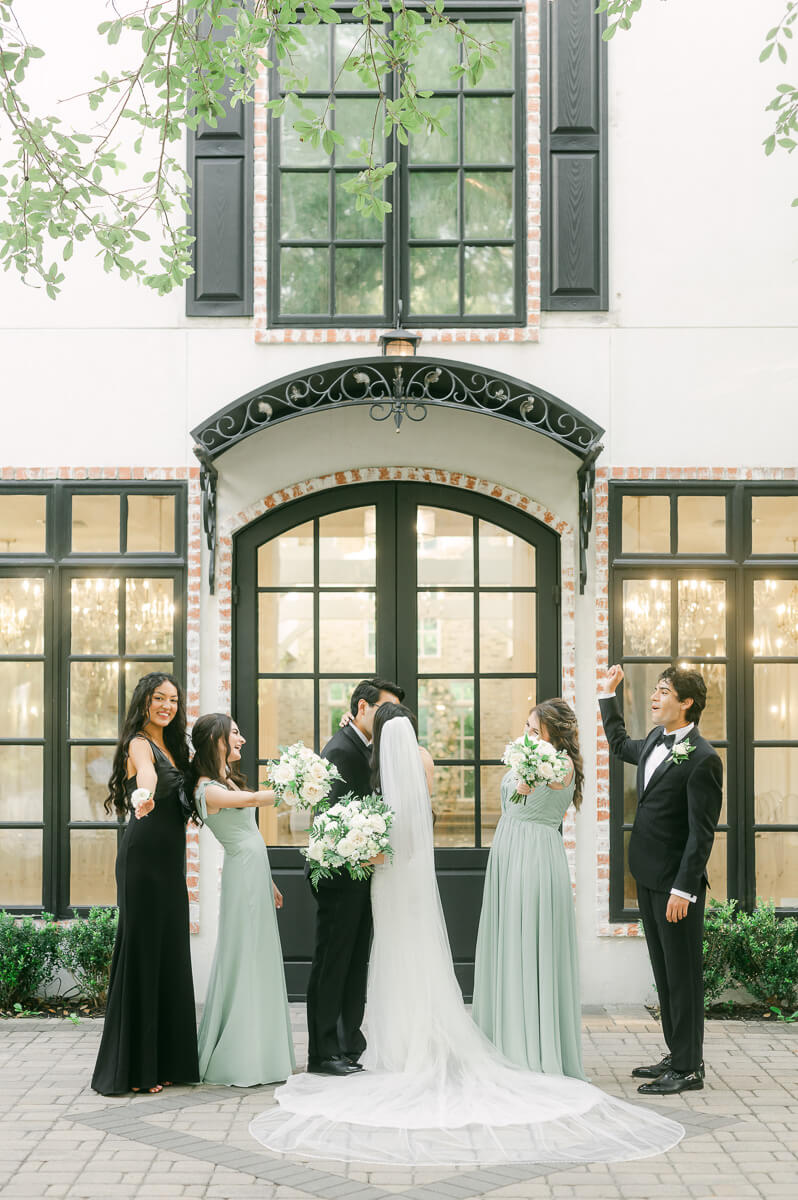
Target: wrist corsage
{"points": [[140, 796]]}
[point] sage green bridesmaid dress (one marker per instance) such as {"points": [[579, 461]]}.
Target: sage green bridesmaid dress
{"points": [[526, 976], [245, 1032]]}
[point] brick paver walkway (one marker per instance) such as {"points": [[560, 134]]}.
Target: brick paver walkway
{"points": [[60, 1139]]}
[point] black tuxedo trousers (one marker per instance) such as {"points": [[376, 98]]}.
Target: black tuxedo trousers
{"points": [[336, 997]]}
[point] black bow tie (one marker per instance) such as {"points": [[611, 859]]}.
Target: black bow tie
{"points": [[666, 739]]}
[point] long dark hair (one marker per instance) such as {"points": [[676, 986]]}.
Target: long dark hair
{"points": [[386, 712], [560, 721], [205, 736], [174, 736]]}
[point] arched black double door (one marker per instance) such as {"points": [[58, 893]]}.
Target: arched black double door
{"points": [[450, 593]]}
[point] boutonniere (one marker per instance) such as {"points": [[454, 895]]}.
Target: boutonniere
{"points": [[681, 751]]}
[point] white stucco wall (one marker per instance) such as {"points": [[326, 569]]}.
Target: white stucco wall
{"points": [[696, 363]]}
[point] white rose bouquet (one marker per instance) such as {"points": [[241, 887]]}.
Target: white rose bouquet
{"points": [[535, 762], [301, 778], [347, 835]]}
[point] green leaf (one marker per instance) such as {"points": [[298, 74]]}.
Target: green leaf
{"points": [[782, 53], [766, 53]]}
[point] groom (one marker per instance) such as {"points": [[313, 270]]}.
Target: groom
{"points": [[336, 996], [679, 793]]}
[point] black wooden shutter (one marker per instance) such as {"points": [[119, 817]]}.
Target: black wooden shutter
{"points": [[220, 163], [574, 156]]}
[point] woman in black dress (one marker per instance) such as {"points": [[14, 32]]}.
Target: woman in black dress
{"points": [[150, 1034]]}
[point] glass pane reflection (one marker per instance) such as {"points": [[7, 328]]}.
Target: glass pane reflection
{"points": [[702, 616], [150, 524], [95, 616], [713, 718], [776, 785], [774, 525], [504, 705], [776, 618], [21, 783], [334, 695], [646, 617], [20, 866], [95, 523], [646, 525], [21, 616], [23, 528], [285, 631], [490, 800], [21, 700], [92, 863], [504, 559], [446, 631], [507, 631], [285, 712], [717, 868], [629, 885], [150, 616], [348, 548], [453, 805], [90, 770], [94, 700], [777, 867], [776, 701], [702, 524], [446, 717], [445, 547], [287, 560], [347, 631]]}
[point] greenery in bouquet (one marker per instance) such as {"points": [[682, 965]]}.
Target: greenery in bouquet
{"points": [[300, 777], [534, 762], [348, 835]]}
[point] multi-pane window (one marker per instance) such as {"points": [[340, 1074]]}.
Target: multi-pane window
{"points": [[91, 599], [708, 577], [451, 248]]}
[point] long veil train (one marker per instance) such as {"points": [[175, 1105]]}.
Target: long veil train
{"points": [[435, 1091]]}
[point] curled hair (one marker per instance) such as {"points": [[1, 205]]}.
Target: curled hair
{"points": [[560, 721], [205, 736], [688, 685], [174, 736], [386, 712]]}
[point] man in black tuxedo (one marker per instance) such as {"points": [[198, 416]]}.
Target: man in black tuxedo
{"points": [[336, 996], [679, 793]]}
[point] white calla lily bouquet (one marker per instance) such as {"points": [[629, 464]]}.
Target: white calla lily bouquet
{"points": [[347, 835], [300, 777], [535, 762]]}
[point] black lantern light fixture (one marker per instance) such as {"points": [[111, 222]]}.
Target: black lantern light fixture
{"points": [[399, 343]]}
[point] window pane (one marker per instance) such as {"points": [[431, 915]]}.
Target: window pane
{"points": [[94, 700], [702, 616], [21, 700], [453, 805], [445, 541], [334, 696], [488, 129], [646, 617], [95, 616], [702, 524], [304, 280], [717, 871], [284, 826], [313, 59], [776, 785], [490, 800], [629, 792], [349, 223], [23, 524], [452, 615], [434, 204], [21, 616], [304, 205], [150, 616], [350, 37], [646, 525], [639, 682], [775, 618], [90, 770], [713, 718], [293, 151], [358, 280], [95, 523], [777, 867], [287, 560], [504, 559], [346, 632], [354, 120], [488, 204], [348, 548], [489, 279], [92, 861], [20, 866], [446, 717], [434, 280], [437, 146], [507, 631], [774, 522], [723, 819], [134, 671], [776, 701], [504, 705], [285, 712], [285, 631], [500, 33], [151, 523], [21, 783], [433, 63], [629, 885]]}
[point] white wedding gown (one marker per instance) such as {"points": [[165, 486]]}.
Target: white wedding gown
{"points": [[434, 1090]]}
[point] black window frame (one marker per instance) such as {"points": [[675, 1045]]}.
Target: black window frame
{"points": [[396, 258], [57, 566], [739, 566]]}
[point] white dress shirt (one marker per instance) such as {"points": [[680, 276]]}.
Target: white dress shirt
{"points": [[653, 759]]}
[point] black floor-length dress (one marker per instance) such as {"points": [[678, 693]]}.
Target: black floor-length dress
{"points": [[150, 1033]]}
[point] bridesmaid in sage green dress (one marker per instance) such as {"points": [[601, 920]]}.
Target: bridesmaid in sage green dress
{"points": [[245, 1032], [526, 975]]}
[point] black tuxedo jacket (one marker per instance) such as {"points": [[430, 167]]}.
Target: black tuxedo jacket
{"points": [[350, 754], [677, 813]]}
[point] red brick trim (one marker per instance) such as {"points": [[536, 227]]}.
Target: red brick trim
{"points": [[528, 333]]}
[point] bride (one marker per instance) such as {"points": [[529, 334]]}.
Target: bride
{"points": [[434, 1090]]}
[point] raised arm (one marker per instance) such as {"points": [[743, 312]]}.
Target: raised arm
{"points": [[621, 745], [217, 797]]}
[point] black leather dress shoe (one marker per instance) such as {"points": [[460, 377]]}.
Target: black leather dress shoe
{"points": [[332, 1066], [654, 1071], [354, 1059], [673, 1082]]}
